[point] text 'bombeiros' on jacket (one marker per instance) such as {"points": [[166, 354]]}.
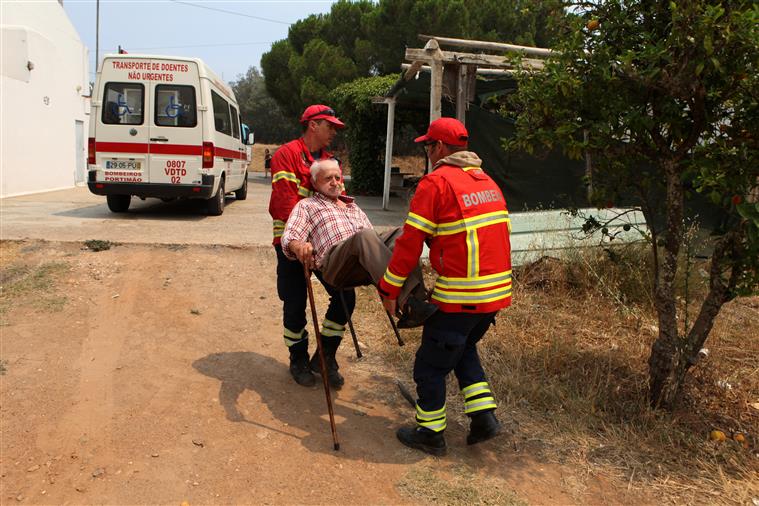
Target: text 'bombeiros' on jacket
{"points": [[463, 214]]}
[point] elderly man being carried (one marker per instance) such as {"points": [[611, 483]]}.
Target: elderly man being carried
{"points": [[332, 235]]}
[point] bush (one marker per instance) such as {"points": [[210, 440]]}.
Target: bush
{"points": [[365, 129]]}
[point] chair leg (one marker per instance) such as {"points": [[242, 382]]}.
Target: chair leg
{"points": [[350, 325], [395, 329]]}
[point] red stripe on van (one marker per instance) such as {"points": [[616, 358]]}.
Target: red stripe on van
{"points": [[121, 147], [229, 153], [176, 149], [165, 149]]}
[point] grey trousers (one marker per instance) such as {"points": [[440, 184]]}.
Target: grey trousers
{"points": [[362, 260]]}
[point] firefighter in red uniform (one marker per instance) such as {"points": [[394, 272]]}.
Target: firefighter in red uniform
{"points": [[461, 213], [291, 181]]}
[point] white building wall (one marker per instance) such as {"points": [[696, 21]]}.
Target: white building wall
{"points": [[39, 106]]}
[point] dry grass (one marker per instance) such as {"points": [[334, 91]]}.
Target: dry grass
{"points": [[568, 362], [22, 282], [454, 487]]}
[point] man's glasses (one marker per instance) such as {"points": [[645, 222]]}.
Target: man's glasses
{"points": [[325, 112], [428, 145]]}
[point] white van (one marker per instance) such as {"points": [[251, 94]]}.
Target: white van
{"points": [[165, 127]]}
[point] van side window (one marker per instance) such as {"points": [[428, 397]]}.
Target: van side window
{"points": [[175, 106], [123, 104], [221, 114], [235, 122]]}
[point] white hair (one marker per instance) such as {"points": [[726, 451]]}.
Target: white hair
{"points": [[320, 165]]}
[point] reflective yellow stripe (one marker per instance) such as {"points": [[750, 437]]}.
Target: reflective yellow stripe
{"points": [[487, 281], [429, 415], [304, 192], [451, 227], [330, 328], [479, 404], [392, 279], [472, 253], [466, 169], [294, 335], [278, 228], [458, 297], [292, 338], [332, 325], [475, 388], [284, 174], [421, 223], [432, 420], [474, 222], [435, 426]]}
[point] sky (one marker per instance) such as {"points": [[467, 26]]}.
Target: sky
{"points": [[229, 36]]}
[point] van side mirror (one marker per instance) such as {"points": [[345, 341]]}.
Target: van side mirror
{"points": [[247, 135], [251, 139]]}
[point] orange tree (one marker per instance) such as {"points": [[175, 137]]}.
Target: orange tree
{"points": [[663, 97]]}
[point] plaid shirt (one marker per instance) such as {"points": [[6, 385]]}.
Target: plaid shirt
{"points": [[323, 223]]}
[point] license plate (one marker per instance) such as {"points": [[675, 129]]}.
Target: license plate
{"points": [[123, 165]]}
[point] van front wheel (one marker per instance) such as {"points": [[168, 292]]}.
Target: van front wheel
{"points": [[242, 193], [118, 203], [216, 203]]}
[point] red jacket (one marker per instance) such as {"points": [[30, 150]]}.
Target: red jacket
{"points": [[463, 213], [290, 181]]}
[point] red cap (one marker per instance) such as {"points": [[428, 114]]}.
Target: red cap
{"points": [[319, 111], [449, 130]]}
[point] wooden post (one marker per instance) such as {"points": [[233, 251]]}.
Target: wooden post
{"points": [[491, 46], [462, 93], [432, 50], [388, 152], [588, 169]]}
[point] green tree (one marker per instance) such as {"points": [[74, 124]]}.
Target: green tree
{"points": [[663, 97], [365, 129], [260, 111], [363, 39]]}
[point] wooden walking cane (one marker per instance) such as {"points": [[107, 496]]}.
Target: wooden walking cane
{"points": [[320, 351]]}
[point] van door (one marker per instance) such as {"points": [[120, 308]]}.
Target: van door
{"points": [[176, 133], [239, 165], [122, 130]]}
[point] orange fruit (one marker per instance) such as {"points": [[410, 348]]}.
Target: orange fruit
{"points": [[717, 435]]}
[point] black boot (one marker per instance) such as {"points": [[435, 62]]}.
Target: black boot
{"points": [[422, 439], [334, 377], [415, 313], [483, 427], [299, 368]]}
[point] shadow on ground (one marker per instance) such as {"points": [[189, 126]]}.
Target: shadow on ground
{"points": [[362, 436], [149, 209]]}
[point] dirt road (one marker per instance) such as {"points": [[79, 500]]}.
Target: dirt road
{"points": [[157, 374]]}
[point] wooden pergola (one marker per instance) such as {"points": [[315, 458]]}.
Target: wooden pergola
{"points": [[452, 74]]}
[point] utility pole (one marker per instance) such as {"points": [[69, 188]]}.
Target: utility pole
{"points": [[97, 34]]}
